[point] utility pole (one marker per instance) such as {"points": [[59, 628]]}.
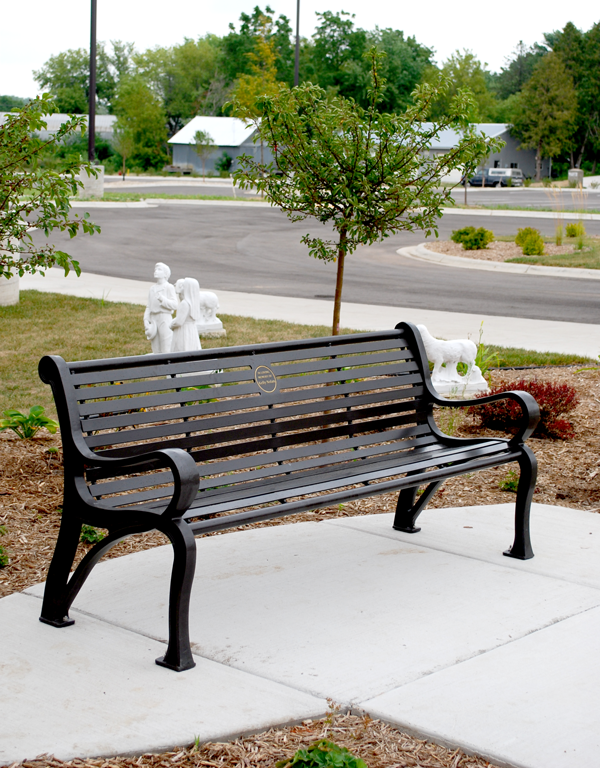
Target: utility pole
{"points": [[297, 62], [92, 97]]}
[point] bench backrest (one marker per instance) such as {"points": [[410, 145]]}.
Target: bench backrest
{"points": [[241, 409]]}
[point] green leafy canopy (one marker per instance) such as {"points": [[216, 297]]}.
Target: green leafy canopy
{"points": [[368, 174], [33, 196]]}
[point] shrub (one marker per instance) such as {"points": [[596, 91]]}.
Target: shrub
{"points": [[323, 754], [533, 246], [458, 235], [524, 233], [472, 239], [553, 400], [575, 230]]}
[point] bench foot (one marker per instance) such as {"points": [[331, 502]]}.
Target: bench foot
{"points": [[181, 667], [521, 548], [406, 529], [64, 622], [409, 507]]}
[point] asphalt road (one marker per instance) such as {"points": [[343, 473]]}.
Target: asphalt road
{"points": [[560, 199], [257, 250]]}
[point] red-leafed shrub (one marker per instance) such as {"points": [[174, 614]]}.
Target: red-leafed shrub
{"points": [[553, 400]]}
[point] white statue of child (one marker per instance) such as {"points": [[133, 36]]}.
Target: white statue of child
{"points": [[161, 303], [185, 332]]}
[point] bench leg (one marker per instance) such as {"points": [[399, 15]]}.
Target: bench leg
{"points": [[521, 548], [55, 606], [179, 654], [409, 507]]}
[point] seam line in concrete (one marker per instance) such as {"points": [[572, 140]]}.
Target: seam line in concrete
{"points": [[507, 564]]}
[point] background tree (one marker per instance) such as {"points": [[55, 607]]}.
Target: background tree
{"points": [[464, 70], [366, 173], [124, 144], [548, 110], [32, 196], [261, 78], [238, 44], [66, 77], [204, 146], [9, 102], [517, 69], [140, 114]]}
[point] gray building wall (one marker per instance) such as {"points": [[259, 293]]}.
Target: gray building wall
{"points": [[510, 156], [185, 155]]}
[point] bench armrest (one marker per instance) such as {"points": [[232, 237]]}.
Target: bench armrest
{"points": [[530, 411], [186, 477]]}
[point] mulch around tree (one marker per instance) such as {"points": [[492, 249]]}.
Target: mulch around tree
{"points": [[31, 498]]}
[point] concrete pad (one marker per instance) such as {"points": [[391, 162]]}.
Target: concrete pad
{"points": [[330, 610], [540, 335], [566, 542], [93, 689], [531, 704]]}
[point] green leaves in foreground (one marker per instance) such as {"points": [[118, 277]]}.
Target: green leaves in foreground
{"points": [[26, 426], [323, 754]]}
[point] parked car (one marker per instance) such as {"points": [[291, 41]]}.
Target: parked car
{"points": [[499, 177], [476, 180]]}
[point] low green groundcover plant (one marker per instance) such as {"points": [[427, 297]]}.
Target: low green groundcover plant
{"points": [[91, 535], [323, 754], [27, 426], [554, 400], [3, 555], [472, 239], [524, 233]]}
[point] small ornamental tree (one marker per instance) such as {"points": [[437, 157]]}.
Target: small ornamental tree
{"points": [[204, 146], [32, 196], [367, 174]]}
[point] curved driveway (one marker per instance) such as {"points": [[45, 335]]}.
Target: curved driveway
{"points": [[257, 250]]}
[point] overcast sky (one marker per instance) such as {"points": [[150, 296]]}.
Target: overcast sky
{"points": [[34, 30]]}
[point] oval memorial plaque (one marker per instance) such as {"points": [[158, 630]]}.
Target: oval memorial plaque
{"points": [[265, 378]]}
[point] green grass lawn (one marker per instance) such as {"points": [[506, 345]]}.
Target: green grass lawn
{"points": [[586, 258], [135, 197], [87, 329]]}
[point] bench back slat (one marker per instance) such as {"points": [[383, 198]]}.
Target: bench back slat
{"points": [[252, 415]]}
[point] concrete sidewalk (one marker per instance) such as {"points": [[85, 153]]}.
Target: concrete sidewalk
{"points": [[437, 633], [540, 335]]}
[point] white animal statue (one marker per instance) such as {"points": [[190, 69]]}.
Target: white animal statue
{"points": [[208, 323], [446, 355]]}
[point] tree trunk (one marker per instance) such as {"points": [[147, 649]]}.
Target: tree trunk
{"points": [[337, 302], [538, 163], [124, 168]]}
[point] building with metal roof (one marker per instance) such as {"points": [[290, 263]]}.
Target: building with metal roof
{"points": [[228, 134]]}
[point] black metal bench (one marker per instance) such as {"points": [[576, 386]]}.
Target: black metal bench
{"points": [[190, 443]]}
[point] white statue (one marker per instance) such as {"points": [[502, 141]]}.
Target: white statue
{"points": [[208, 322], [445, 356], [158, 315], [185, 332]]}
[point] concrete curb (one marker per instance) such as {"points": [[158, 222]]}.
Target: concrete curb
{"points": [[522, 214], [422, 253]]}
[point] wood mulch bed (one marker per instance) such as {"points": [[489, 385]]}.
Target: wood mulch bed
{"points": [[495, 251], [378, 744], [31, 498]]}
